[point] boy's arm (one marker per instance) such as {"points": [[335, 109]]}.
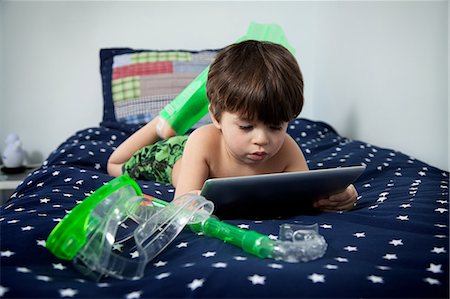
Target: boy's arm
{"points": [[194, 168], [144, 136]]}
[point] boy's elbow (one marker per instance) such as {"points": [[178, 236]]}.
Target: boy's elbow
{"points": [[113, 169]]}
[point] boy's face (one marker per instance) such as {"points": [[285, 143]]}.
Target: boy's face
{"points": [[249, 141]]}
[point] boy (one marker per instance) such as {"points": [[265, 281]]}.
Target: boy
{"points": [[254, 89]]}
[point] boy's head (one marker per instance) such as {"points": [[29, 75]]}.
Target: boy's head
{"points": [[257, 80]]}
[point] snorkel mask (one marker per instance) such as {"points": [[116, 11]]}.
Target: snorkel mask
{"points": [[91, 233]]}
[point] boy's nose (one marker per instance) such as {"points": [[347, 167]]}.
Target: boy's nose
{"points": [[260, 137]]}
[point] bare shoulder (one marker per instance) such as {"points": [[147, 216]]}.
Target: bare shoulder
{"points": [[291, 151], [290, 146], [203, 141], [205, 130], [207, 134]]}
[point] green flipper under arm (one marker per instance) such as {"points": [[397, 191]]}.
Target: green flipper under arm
{"points": [[192, 103]]}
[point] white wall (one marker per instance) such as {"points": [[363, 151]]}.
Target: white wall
{"points": [[383, 69], [376, 71]]}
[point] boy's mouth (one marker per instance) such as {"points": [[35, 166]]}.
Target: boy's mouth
{"points": [[258, 156]]}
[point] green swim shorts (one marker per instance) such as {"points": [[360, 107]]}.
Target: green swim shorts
{"points": [[155, 162]]}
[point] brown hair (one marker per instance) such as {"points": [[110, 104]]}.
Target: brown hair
{"points": [[258, 80]]}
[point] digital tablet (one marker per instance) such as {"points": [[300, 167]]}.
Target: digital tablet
{"points": [[275, 195]]}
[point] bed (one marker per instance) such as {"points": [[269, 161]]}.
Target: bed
{"points": [[394, 243]]}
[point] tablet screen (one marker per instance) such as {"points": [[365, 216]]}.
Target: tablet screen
{"points": [[276, 195]]}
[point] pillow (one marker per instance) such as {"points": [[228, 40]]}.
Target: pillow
{"points": [[137, 84]]}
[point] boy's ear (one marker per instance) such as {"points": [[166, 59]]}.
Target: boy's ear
{"points": [[216, 123]]}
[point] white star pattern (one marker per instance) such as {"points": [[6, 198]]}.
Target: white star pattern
{"points": [[275, 266], [375, 279], [432, 281], [160, 264], [240, 258], [134, 295], [438, 250], [315, 278], [6, 253], [3, 290], [396, 242], [351, 248], [341, 259], [209, 254], [390, 256], [67, 292], [381, 199], [27, 228], [182, 245], [45, 200], [441, 210], [40, 243], [195, 284], [257, 279], [435, 268], [220, 265], [44, 278], [59, 266], [162, 275]]}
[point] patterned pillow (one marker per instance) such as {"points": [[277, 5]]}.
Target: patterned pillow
{"points": [[137, 84]]}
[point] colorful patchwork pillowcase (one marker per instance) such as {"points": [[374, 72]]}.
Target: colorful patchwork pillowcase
{"points": [[137, 84]]}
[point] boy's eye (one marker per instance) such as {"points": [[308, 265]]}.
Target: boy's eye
{"points": [[275, 128], [245, 127]]}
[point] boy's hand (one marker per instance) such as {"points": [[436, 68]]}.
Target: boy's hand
{"points": [[339, 202]]}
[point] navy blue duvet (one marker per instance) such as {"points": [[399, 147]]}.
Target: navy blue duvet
{"points": [[393, 244]]}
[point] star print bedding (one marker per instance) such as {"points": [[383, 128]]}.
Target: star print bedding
{"points": [[394, 243]]}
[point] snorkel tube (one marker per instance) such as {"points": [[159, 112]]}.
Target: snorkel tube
{"points": [[191, 104], [89, 234]]}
